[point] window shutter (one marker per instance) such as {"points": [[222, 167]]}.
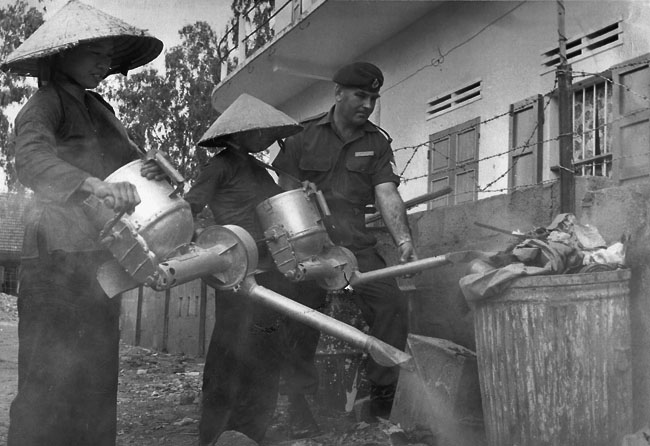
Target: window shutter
{"points": [[631, 145], [525, 142], [452, 162]]}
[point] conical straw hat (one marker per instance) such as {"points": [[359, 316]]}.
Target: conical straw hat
{"points": [[79, 23], [245, 114]]}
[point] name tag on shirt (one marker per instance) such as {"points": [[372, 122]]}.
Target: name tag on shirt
{"points": [[368, 153]]}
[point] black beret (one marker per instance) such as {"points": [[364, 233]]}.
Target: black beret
{"points": [[362, 75]]}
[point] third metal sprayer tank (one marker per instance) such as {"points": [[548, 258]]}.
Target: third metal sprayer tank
{"points": [[298, 241]]}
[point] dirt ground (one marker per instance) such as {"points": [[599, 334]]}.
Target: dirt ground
{"points": [[159, 394]]}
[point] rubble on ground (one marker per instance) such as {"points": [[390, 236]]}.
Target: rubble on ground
{"points": [[8, 308]]}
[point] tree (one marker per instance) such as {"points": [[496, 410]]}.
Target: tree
{"points": [[172, 112], [17, 22], [192, 70]]}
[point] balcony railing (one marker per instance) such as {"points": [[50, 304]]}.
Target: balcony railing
{"points": [[241, 43]]}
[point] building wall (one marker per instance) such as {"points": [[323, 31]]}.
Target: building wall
{"points": [[450, 47], [179, 320]]}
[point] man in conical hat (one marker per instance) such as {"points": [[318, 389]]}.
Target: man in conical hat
{"points": [[242, 366], [67, 141]]}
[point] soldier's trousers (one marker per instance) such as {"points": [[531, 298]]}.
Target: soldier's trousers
{"points": [[384, 309]]}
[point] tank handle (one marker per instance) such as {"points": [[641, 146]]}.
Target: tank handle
{"points": [[322, 203], [174, 175]]}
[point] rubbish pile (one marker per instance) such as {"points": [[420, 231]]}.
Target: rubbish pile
{"points": [[563, 247]]}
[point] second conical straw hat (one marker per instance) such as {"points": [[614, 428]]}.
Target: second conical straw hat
{"points": [[77, 23], [249, 113]]}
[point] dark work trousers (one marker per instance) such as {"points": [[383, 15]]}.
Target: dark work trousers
{"points": [[68, 355], [384, 309], [242, 366]]}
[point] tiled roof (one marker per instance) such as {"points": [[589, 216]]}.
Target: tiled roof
{"points": [[12, 208]]}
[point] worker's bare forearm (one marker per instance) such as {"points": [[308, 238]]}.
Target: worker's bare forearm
{"points": [[393, 212]]}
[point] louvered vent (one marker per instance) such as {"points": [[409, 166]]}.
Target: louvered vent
{"points": [[451, 101], [584, 46]]}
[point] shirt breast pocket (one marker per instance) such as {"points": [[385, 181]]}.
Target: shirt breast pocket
{"points": [[359, 164], [356, 183]]}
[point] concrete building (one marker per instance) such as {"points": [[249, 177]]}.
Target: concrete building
{"points": [[470, 100], [469, 94]]}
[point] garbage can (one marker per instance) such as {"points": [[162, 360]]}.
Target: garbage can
{"points": [[553, 362]]}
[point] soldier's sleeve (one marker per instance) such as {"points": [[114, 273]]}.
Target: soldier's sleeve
{"points": [[385, 170], [288, 158]]}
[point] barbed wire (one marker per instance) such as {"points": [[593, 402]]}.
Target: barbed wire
{"points": [[522, 147], [515, 159], [529, 185], [540, 183], [428, 143], [522, 186]]}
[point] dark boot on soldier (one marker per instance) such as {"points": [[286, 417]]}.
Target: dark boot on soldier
{"points": [[301, 421], [381, 400]]}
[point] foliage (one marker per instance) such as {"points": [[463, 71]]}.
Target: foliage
{"points": [[193, 69], [17, 22], [172, 112]]}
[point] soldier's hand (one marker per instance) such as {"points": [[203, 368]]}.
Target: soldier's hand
{"points": [[407, 251], [308, 186]]}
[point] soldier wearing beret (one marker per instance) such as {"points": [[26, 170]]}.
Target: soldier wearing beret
{"points": [[351, 161]]}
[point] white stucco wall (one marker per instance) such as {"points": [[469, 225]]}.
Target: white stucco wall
{"points": [[499, 43]]}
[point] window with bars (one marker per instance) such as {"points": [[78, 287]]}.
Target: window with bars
{"points": [[592, 135], [611, 122]]}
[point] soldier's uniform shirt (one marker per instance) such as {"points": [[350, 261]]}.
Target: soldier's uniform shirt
{"points": [[346, 172]]}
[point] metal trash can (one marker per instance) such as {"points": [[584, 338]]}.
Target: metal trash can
{"points": [[553, 361]]}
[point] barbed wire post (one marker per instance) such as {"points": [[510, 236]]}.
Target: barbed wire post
{"points": [[567, 176]]}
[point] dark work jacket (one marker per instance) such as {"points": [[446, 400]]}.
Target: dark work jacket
{"points": [[65, 134], [346, 172], [232, 185]]}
